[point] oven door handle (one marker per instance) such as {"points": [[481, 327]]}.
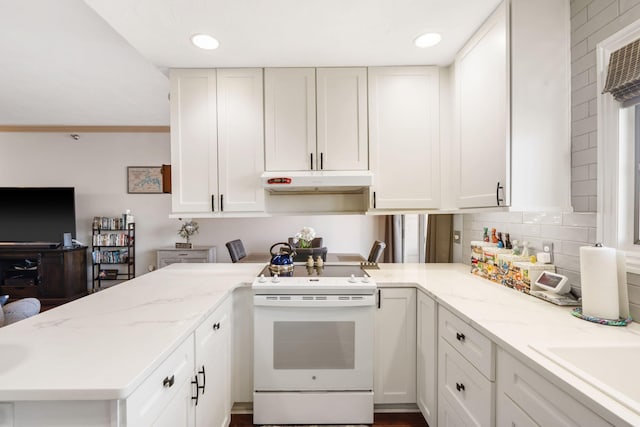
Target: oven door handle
{"points": [[319, 302]]}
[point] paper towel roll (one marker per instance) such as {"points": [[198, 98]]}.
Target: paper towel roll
{"points": [[623, 291], [599, 282]]}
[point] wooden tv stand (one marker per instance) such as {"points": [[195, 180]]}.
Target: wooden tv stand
{"points": [[53, 275]]}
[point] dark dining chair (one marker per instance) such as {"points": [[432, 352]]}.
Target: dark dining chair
{"points": [[236, 250], [376, 251]]}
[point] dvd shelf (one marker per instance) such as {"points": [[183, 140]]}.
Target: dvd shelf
{"points": [[113, 250]]}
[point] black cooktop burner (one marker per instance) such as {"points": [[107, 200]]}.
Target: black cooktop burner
{"points": [[301, 270]]}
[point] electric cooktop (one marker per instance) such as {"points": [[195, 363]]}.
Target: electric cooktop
{"points": [[327, 270], [345, 279]]}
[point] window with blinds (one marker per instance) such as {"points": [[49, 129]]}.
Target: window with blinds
{"points": [[623, 73]]}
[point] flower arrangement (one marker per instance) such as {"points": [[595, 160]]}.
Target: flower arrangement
{"points": [[304, 237], [188, 229]]}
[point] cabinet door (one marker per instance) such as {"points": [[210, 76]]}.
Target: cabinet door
{"points": [[342, 119], [213, 368], [240, 139], [194, 160], [290, 118], [426, 366], [481, 116], [179, 411], [394, 378], [404, 136]]}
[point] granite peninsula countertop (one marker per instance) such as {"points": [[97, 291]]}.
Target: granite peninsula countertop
{"points": [[101, 347]]}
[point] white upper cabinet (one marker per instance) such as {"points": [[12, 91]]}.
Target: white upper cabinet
{"points": [[511, 137], [480, 149], [240, 139], [404, 136], [194, 140], [290, 118], [540, 105], [217, 141], [342, 119]]}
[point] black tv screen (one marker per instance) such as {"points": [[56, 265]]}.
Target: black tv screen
{"points": [[43, 214]]}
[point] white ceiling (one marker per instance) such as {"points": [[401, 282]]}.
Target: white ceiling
{"points": [[104, 62]]}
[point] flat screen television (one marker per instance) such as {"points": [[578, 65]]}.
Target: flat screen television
{"points": [[37, 214]]}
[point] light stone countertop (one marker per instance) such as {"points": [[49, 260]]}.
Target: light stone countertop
{"points": [[104, 345]]}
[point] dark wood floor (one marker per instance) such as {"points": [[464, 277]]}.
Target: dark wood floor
{"points": [[412, 419]]}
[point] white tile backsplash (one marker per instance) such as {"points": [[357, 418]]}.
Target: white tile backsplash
{"points": [[575, 219], [542, 218]]}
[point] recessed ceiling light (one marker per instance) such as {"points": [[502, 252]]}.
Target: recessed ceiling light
{"points": [[205, 41], [427, 40]]}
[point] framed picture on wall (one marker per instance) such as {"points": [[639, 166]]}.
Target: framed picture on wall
{"points": [[144, 179]]}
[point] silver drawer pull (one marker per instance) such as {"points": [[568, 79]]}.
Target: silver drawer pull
{"points": [[168, 381]]}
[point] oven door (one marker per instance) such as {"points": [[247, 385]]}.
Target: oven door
{"points": [[307, 342]]}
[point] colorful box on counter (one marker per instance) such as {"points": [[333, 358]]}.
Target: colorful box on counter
{"points": [[506, 260], [477, 250], [484, 260], [522, 273]]}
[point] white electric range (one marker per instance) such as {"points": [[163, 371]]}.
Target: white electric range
{"points": [[313, 346]]}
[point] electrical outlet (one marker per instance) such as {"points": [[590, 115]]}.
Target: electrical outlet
{"points": [[457, 236], [547, 247]]}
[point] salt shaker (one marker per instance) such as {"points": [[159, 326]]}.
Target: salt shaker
{"points": [[319, 261], [309, 261]]}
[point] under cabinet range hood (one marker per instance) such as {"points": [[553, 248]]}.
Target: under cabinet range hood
{"points": [[317, 181]]}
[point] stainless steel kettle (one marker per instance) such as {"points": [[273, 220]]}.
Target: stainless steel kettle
{"points": [[282, 261]]}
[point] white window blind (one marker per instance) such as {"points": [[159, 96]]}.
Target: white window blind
{"points": [[623, 73]]}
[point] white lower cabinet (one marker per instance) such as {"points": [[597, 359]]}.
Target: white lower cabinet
{"points": [[166, 393], [526, 398], [426, 359], [213, 369], [394, 379], [466, 373]]}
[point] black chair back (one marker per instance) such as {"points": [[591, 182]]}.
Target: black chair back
{"points": [[236, 250]]}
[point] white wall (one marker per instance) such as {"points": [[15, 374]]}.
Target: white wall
{"points": [[96, 166]]}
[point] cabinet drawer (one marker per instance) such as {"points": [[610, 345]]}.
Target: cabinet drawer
{"points": [[448, 416], [510, 414], [146, 403], [204, 254], [168, 261], [216, 322], [475, 347], [466, 389], [542, 401]]}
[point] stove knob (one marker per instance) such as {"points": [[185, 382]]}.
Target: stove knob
{"points": [[365, 279], [262, 279], [275, 279], [352, 279]]}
